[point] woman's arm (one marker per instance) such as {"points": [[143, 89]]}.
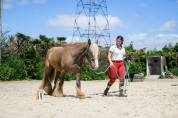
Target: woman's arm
{"points": [[109, 58]]}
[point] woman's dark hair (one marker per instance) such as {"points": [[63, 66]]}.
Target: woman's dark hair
{"points": [[121, 38]]}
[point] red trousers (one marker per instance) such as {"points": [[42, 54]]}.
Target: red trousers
{"points": [[119, 68]]}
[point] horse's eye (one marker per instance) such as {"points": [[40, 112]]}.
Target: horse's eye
{"points": [[92, 59]]}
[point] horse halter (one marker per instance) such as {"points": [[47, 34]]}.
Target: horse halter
{"points": [[91, 60], [85, 51]]}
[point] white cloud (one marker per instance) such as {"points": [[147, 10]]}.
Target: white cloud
{"points": [[8, 4], [62, 21], [67, 21], [157, 38], [115, 22], [149, 41], [137, 16], [135, 37], [71, 39], [23, 2], [39, 1], [169, 26]]}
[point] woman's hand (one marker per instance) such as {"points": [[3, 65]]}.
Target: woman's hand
{"points": [[111, 65], [125, 56]]}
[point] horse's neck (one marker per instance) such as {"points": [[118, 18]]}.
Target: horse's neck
{"points": [[79, 50]]}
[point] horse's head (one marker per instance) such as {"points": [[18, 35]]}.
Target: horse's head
{"points": [[93, 55]]}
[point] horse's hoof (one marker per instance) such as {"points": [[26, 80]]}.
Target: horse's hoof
{"points": [[81, 97], [57, 94], [61, 95], [80, 94], [48, 91]]}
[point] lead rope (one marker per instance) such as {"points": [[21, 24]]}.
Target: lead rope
{"points": [[127, 80], [102, 72]]}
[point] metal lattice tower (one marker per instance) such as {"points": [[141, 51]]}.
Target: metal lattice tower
{"points": [[91, 21]]}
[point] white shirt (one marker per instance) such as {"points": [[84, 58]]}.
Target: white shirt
{"points": [[118, 53]]}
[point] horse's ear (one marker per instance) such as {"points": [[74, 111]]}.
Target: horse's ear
{"points": [[89, 41]]}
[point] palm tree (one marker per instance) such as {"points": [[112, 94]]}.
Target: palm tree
{"points": [[46, 43], [23, 42]]}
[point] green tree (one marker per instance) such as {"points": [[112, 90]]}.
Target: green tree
{"points": [[176, 48], [22, 42], [130, 48], [46, 43], [61, 40]]}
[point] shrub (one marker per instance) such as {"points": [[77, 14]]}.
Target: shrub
{"points": [[174, 71], [18, 65], [137, 67], [168, 75], [6, 72], [34, 66]]}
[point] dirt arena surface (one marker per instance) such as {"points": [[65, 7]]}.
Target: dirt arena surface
{"points": [[148, 99]]}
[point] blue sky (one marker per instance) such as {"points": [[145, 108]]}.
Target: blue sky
{"points": [[148, 24]]}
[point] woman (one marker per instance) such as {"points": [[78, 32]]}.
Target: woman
{"points": [[116, 56]]}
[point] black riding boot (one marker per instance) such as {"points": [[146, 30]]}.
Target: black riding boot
{"points": [[121, 94], [107, 89]]}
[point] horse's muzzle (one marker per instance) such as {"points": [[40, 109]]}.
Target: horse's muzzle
{"points": [[96, 67], [96, 64]]}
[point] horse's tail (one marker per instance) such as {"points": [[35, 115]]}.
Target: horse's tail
{"points": [[37, 94], [46, 58]]}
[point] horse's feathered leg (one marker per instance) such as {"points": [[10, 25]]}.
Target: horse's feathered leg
{"points": [[76, 70], [78, 86], [58, 88]]}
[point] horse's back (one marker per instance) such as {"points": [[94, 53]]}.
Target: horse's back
{"points": [[58, 57], [55, 50], [54, 55]]}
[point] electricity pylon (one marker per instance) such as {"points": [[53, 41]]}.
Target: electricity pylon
{"points": [[91, 21]]}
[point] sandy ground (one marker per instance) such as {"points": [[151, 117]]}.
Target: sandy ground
{"points": [[148, 99]]}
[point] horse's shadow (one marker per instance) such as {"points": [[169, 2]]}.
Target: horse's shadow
{"points": [[91, 96], [101, 95], [73, 96], [110, 94]]}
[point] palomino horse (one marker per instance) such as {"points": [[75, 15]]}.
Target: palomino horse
{"points": [[62, 60]]}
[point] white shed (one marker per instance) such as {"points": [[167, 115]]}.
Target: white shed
{"points": [[156, 65]]}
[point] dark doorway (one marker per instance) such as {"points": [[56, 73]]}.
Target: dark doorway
{"points": [[155, 65]]}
